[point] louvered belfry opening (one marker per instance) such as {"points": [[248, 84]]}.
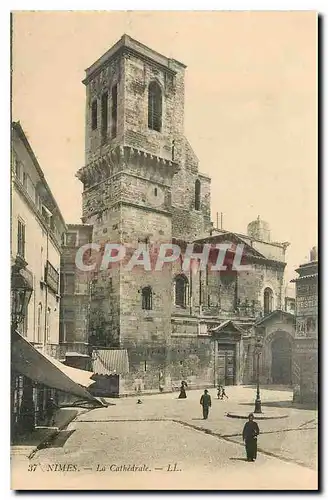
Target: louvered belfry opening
{"points": [[147, 298], [154, 107]]}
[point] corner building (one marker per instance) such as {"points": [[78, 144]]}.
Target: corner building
{"points": [[142, 184], [305, 346]]}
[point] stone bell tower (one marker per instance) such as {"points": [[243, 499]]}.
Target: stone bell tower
{"points": [[133, 147]]}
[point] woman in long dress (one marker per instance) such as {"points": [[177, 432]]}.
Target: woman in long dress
{"points": [[250, 432], [183, 394]]}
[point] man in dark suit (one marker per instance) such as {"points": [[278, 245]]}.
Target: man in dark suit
{"points": [[206, 403], [250, 432]]}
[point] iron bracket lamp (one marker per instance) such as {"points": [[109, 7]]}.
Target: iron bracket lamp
{"points": [[21, 291]]}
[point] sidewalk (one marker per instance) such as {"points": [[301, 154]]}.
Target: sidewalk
{"points": [[27, 445]]}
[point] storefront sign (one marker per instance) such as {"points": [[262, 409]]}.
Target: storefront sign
{"points": [[307, 298]]}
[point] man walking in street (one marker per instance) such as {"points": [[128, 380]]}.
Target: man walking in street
{"points": [[206, 403], [223, 393]]}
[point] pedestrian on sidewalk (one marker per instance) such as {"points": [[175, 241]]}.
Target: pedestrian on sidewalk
{"points": [[206, 403], [183, 387], [250, 432], [50, 412], [223, 393], [219, 391], [161, 382]]}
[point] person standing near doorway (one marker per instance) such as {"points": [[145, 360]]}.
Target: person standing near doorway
{"points": [[50, 411], [206, 403], [250, 432]]}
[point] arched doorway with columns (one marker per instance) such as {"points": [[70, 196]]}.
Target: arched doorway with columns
{"points": [[281, 359], [276, 365], [277, 352]]}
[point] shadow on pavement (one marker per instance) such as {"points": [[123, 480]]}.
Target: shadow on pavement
{"points": [[285, 404], [59, 440], [238, 459], [285, 388], [33, 438]]}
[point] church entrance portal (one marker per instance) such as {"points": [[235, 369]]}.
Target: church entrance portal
{"points": [[281, 368], [226, 364]]}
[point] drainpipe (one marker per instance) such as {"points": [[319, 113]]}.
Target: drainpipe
{"points": [[200, 292], [46, 296], [190, 295]]}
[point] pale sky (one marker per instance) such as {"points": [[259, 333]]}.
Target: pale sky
{"points": [[250, 105]]}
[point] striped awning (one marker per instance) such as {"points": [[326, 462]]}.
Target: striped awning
{"points": [[110, 361]]}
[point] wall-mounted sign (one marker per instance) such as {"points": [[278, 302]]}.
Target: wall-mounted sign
{"points": [[305, 346], [306, 298]]}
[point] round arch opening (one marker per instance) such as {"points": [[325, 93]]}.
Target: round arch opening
{"points": [[281, 365]]}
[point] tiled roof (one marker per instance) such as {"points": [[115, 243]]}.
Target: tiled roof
{"points": [[304, 277]]}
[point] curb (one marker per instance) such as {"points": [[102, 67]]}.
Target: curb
{"points": [[155, 392], [257, 416]]}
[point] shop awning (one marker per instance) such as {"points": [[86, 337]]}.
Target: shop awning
{"points": [[109, 361], [81, 377], [44, 369]]}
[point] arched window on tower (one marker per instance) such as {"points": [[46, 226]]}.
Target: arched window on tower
{"points": [[181, 290], [197, 194], [147, 298], [94, 114], [268, 301], [154, 107]]}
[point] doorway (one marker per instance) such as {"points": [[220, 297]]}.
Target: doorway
{"points": [[226, 372], [281, 367]]}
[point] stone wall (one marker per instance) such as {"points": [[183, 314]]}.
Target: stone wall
{"points": [[102, 82], [145, 333], [138, 75], [192, 358], [309, 376], [75, 292]]}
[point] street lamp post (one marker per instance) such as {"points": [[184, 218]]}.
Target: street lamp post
{"points": [[258, 350], [258, 408]]}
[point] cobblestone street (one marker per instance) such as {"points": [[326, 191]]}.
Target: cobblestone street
{"points": [[168, 434]]}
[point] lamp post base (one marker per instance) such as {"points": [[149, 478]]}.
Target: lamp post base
{"points": [[257, 408]]}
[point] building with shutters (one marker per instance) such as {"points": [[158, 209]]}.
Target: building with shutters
{"points": [[37, 226]]}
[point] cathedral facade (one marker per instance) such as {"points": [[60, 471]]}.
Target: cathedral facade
{"points": [[142, 185]]}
